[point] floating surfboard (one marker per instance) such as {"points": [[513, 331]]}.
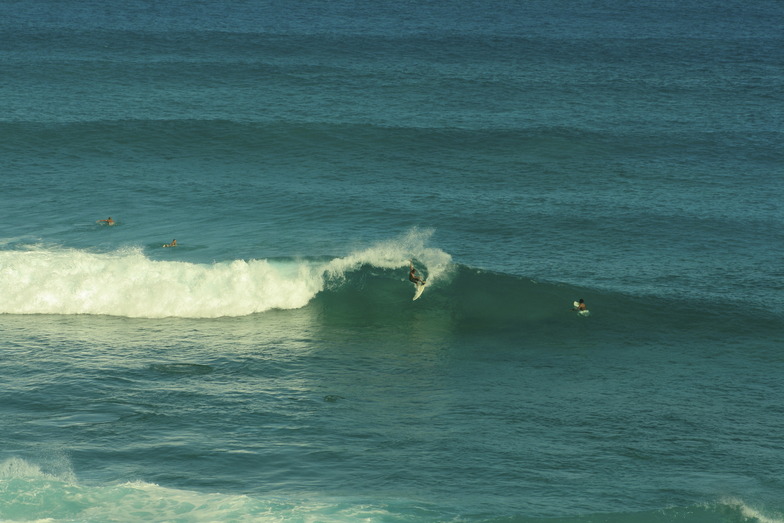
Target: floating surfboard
{"points": [[420, 288], [584, 312]]}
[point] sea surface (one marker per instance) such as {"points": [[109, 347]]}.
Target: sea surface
{"points": [[273, 367]]}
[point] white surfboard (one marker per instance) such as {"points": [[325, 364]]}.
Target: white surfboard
{"points": [[585, 312], [420, 288]]}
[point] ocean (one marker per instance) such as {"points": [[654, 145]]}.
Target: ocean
{"points": [[273, 367]]}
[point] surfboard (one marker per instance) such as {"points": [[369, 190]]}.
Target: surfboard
{"points": [[420, 288], [585, 312]]}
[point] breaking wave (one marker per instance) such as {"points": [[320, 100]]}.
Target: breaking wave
{"points": [[38, 279]]}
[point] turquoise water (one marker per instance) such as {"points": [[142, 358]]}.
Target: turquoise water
{"points": [[273, 366]]}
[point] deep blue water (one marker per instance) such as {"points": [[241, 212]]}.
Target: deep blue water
{"points": [[273, 367]]}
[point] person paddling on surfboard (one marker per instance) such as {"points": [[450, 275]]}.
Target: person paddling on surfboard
{"points": [[108, 221], [172, 244], [412, 277]]}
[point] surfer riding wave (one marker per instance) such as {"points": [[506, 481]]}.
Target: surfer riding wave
{"points": [[416, 280]]}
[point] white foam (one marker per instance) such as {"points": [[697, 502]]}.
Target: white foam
{"points": [[127, 283]]}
